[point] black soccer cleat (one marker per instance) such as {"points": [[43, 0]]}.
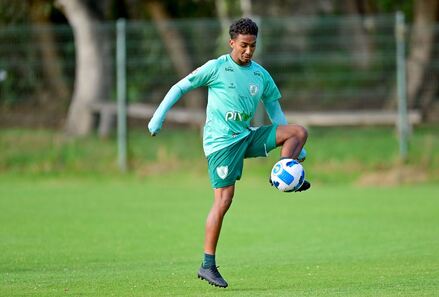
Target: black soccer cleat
{"points": [[212, 276], [305, 186]]}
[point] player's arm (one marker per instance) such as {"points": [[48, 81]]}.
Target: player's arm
{"points": [[275, 112], [277, 117], [173, 95], [202, 76]]}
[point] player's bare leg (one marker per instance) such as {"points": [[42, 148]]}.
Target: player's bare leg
{"points": [[292, 138], [222, 200]]}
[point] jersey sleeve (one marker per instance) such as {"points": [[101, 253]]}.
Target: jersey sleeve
{"points": [[203, 75], [173, 95], [275, 112], [271, 92]]}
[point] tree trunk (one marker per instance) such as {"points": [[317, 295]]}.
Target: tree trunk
{"points": [[426, 97], [175, 46], [222, 11], [45, 39], [421, 47], [359, 44], [93, 72]]}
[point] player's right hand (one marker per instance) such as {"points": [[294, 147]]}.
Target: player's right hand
{"points": [[153, 127], [153, 133]]}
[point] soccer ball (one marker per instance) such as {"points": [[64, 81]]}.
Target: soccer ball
{"points": [[287, 175]]}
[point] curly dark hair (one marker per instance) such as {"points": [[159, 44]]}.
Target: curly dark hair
{"points": [[243, 26]]}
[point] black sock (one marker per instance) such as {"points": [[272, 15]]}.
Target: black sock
{"points": [[208, 261]]}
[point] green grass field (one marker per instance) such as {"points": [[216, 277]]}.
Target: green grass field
{"points": [[71, 225], [129, 237]]}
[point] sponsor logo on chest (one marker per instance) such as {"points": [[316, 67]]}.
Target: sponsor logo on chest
{"points": [[237, 116]]}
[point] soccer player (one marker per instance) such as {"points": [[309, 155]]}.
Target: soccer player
{"points": [[235, 84]]}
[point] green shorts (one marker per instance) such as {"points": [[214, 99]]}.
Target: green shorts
{"points": [[225, 166]]}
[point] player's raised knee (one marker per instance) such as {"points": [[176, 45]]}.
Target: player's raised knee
{"points": [[297, 131], [302, 133]]}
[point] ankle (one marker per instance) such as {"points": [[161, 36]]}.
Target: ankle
{"points": [[208, 260]]}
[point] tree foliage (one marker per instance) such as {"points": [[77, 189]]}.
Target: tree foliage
{"points": [[31, 12]]}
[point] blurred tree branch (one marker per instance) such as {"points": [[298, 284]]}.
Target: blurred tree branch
{"points": [[175, 46]]}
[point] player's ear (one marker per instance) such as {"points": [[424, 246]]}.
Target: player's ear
{"points": [[231, 43]]}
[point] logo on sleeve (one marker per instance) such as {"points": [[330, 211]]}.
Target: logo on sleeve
{"points": [[253, 89], [222, 171]]}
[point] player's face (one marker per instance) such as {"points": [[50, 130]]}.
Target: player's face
{"points": [[243, 47]]}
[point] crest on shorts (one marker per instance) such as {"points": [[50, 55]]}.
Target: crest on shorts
{"points": [[222, 171], [253, 89]]}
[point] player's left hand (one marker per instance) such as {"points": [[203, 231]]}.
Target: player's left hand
{"points": [[302, 155]]}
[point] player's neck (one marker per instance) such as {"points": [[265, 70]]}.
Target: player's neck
{"points": [[239, 62]]}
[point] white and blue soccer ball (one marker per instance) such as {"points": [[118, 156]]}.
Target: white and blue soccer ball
{"points": [[287, 175]]}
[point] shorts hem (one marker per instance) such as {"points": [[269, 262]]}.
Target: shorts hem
{"points": [[271, 143], [224, 184]]}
